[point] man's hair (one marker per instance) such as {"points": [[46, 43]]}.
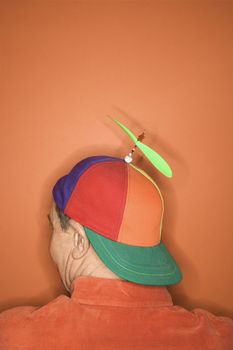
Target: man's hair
{"points": [[64, 219]]}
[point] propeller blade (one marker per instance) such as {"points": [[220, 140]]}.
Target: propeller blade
{"points": [[155, 159], [131, 135], [152, 156]]}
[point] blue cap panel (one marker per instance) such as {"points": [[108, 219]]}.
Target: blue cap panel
{"points": [[65, 186]]}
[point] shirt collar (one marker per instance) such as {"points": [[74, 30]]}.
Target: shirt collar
{"points": [[113, 292]]}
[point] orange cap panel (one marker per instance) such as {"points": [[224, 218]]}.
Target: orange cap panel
{"points": [[142, 218]]}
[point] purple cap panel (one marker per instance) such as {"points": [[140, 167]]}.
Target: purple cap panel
{"points": [[65, 186]]}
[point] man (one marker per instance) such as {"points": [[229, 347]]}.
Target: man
{"points": [[106, 242]]}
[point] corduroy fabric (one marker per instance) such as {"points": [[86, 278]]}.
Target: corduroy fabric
{"points": [[115, 315]]}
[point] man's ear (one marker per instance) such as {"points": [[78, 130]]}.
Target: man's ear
{"points": [[80, 241]]}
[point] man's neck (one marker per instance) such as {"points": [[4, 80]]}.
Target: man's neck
{"points": [[91, 266]]}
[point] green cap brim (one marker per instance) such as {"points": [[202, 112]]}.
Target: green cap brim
{"points": [[143, 265]]}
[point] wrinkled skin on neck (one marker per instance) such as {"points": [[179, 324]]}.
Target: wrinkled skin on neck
{"points": [[73, 254]]}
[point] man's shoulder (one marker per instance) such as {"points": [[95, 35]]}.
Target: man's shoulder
{"points": [[23, 325], [207, 322], [22, 315]]}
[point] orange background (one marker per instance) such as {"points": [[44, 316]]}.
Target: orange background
{"points": [[165, 66]]}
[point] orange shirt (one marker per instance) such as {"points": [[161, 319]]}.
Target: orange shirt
{"points": [[112, 314]]}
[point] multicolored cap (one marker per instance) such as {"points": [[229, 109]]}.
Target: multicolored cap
{"points": [[121, 209], [114, 199]]}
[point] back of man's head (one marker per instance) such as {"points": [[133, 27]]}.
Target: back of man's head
{"points": [[120, 209]]}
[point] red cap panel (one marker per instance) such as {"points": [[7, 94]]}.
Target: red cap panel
{"points": [[99, 197]]}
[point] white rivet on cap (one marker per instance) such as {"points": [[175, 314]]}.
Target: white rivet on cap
{"points": [[128, 158]]}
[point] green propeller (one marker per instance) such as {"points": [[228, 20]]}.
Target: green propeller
{"points": [[152, 156]]}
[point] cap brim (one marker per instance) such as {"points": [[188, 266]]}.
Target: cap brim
{"points": [[143, 265]]}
